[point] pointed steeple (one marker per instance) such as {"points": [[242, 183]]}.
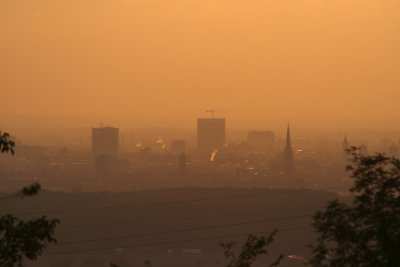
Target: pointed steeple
{"points": [[288, 141], [287, 164]]}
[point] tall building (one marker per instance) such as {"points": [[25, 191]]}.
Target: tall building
{"points": [[105, 141], [261, 141], [287, 161], [210, 134]]}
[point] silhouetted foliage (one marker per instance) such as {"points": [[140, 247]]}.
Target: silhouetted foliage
{"points": [[27, 191], [6, 145], [365, 232], [30, 190], [23, 239], [251, 249]]}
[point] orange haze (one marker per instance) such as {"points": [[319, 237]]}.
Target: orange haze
{"points": [[141, 63]]}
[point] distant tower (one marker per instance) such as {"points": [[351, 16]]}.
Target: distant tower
{"points": [[210, 134], [345, 144], [105, 142], [287, 164], [182, 163]]}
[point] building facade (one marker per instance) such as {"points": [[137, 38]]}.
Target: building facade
{"points": [[105, 141], [210, 134]]}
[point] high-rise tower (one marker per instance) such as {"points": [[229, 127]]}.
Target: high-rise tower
{"points": [[105, 142], [210, 134], [287, 161]]}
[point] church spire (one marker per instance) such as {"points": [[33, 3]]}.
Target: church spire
{"points": [[288, 141], [287, 164]]}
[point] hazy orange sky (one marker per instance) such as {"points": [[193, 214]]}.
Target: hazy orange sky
{"points": [[164, 62]]}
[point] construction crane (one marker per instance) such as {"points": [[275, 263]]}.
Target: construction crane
{"points": [[212, 111]]}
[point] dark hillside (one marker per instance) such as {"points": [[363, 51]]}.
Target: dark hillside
{"points": [[160, 224]]}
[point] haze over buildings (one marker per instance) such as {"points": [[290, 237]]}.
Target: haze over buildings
{"points": [[172, 176], [261, 141]]}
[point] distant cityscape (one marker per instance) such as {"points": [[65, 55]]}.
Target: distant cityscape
{"points": [[120, 160]]}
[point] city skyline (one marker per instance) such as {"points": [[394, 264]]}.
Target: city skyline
{"points": [[199, 133]]}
